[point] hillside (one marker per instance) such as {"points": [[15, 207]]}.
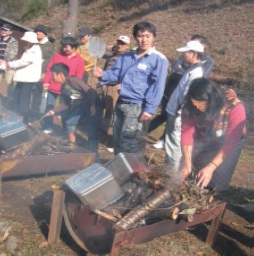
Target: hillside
{"points": [[229, 29]]}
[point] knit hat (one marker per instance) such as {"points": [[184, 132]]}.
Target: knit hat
{"points": [[84, 32], [41, 28], [6, 27], [30, 37]]}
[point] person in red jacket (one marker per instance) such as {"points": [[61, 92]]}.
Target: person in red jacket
{"points": [[213, 128], [76, 64]]}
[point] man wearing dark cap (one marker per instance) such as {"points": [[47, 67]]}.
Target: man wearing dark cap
{"points": [[8, 52], [122, 45], [47, 49], [85, 35]]}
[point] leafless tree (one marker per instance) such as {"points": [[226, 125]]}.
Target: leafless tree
{"points": [[70, 24]]}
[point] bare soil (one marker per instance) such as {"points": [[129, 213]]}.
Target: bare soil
{"points": [[25, 204]]}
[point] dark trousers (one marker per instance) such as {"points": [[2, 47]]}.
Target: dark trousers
{"points": [[36, 99], [22, 97]]}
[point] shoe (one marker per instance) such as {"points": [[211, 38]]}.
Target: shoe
{"points": [[48, 131], [158, 144], [111, 150]]}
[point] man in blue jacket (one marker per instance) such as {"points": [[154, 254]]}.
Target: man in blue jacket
{"points": [[142, 74]]}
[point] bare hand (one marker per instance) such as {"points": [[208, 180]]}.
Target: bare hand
{"points": [[118, 87], [97, 72], [45, 86], [185, 172], [145, 116], [2, 65], [50, 113], [204, 176]]}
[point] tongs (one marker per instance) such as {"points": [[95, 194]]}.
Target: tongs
{"points": [[42, 117]]}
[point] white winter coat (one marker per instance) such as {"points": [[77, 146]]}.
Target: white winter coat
{"points": [[28, 67]]}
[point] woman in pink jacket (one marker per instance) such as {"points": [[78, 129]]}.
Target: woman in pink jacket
{"points": [[212, 134]]}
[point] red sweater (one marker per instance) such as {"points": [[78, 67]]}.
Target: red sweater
{"points": [[233, 133], [75, 63]]}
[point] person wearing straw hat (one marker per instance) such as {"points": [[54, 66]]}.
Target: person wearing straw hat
{"points": [[27, 74]]}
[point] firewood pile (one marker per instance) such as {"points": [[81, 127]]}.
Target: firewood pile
{"points": [[151, 197]]}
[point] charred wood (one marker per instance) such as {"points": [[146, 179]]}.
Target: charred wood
{"points": [[139, 212]]}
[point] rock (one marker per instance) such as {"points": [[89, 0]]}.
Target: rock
{"points": [[11, 243]]}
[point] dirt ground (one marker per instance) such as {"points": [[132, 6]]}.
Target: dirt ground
{"points": [[25, 204]]}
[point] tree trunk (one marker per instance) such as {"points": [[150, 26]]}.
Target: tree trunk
{"points": [[70, 23]]}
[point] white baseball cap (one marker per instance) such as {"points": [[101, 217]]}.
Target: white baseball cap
{"points": [[192, 46], [30, 37], [124, 39]]}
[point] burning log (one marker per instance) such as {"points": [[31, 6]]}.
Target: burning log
{"points": [[167, 213], [131, 218]]}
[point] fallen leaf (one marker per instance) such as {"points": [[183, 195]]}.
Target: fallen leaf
{"points": [[200, 253], [43, 244], [55, 186]]}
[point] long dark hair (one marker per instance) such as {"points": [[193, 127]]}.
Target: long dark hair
{"points": [[203, 89]]}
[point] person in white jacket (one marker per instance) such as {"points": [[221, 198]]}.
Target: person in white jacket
{"points": [[27, 74]]}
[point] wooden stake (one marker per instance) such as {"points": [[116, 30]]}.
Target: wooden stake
{"points": [[105, 215], [56, 216]]}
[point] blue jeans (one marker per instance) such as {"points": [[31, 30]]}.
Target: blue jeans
{"points": [[72, 116], [129, 134], [173, 141], [49, 121]]}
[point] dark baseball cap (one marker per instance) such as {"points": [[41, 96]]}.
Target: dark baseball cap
{"points": [[41, 28], [85, 31], [6, 27]]}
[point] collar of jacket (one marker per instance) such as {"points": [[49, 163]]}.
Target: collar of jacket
{"points": [[44, 40]]}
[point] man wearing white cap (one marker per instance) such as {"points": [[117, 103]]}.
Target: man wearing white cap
{"points": [[28, 72], [192, 53], [111, 90]]}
